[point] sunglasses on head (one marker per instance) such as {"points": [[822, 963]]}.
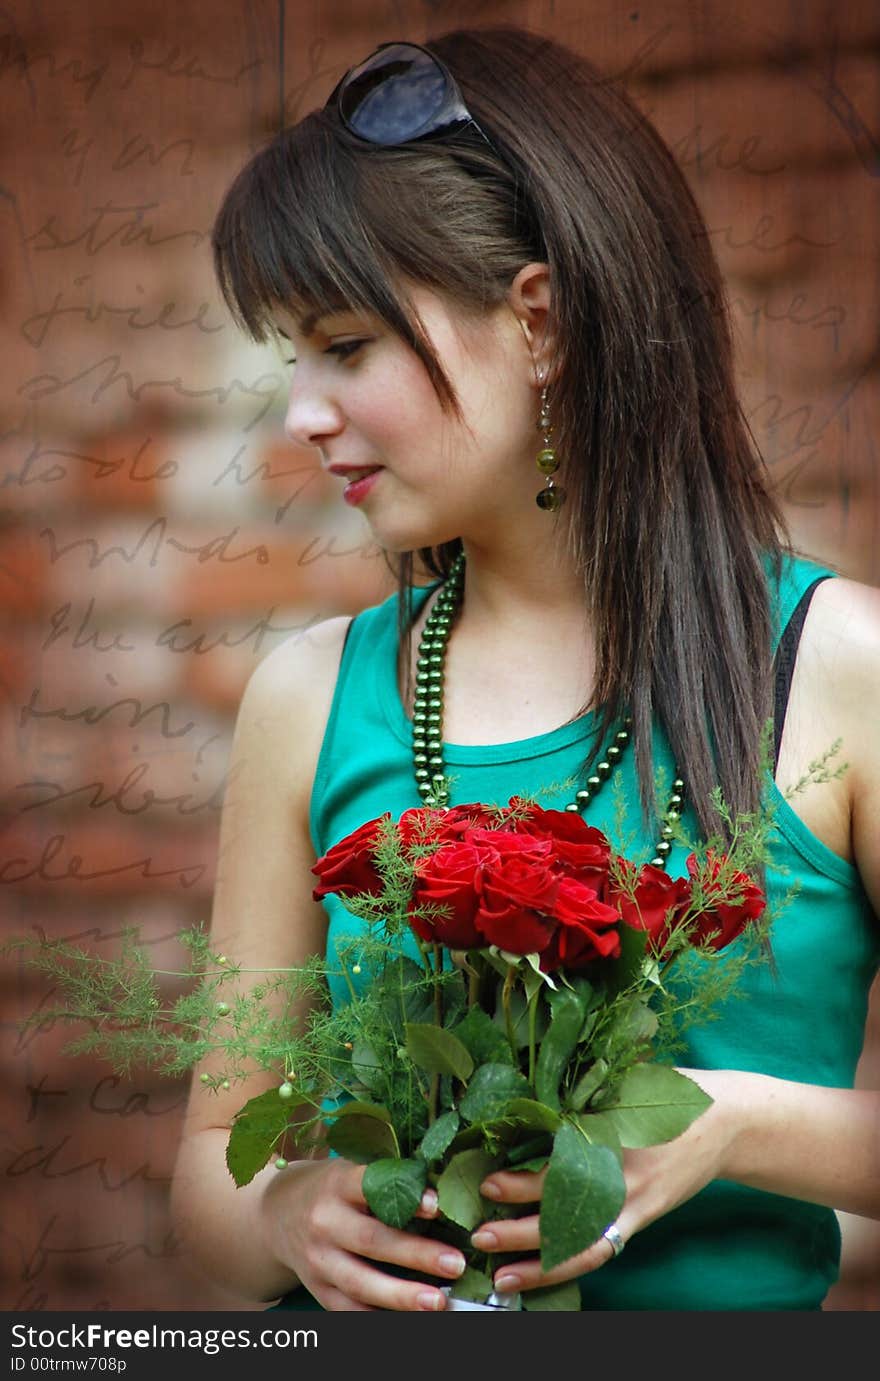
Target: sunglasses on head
{"points": [[399, 94]]}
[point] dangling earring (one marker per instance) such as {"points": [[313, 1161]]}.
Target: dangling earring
{"points": [[550, 497]]}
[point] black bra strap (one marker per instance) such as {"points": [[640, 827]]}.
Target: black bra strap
{"points": [[345, 639], [783, 665]]}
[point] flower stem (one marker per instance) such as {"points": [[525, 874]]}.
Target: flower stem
{"points": [[473, 988], [508, 1015], [347, 977], [533, 1013], [434, 1098], [438, 989]]}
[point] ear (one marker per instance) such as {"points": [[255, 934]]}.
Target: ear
{"points": [[529, 300]]}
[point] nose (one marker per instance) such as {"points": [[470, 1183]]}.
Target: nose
{"points": [[312, 417]]}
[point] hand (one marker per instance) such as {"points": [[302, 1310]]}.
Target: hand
{"points": [[317, 1222], [658, 1179]]}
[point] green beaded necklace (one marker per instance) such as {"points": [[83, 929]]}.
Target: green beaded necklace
{"points": [[431, 781]]}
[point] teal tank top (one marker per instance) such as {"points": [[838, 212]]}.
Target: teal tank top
{"points": [[730, 1247]]}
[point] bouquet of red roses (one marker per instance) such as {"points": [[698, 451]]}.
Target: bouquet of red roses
{"points": [[512, 995], [516, 989]]}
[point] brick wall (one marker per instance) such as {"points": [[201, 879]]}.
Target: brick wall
{"points": [[160, 536]]}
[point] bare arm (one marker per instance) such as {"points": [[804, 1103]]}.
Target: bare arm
{"points": [[799, 1140], [263, 917], [309, 1221], [811, 1143]]}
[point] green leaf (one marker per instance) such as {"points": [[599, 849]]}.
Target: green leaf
{"points": [[357, 1109], [529, 1113], [591, 1080], [519, 1013], [437, 1051], [490, 1092], [472, 1285], [583, 1192], [485, 1041], [634, 1018], [564, 1298], [255, 1130], [599, 1130], [567, 1010], [362, 1132], [366, 1067], [523, 1153], [439, 1136], [404, 995], [654, 1103], [628, 967], [393, 1189], [466, 1138], [458, 1188], [536, 1163]]}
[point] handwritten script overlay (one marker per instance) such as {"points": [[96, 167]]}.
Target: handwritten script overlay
{"points": [[161, 537]]}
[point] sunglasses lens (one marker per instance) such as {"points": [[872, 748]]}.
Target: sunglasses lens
{"points": [[399, 93]]}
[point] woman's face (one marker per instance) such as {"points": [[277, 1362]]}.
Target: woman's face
{"points": [[364, 399]]}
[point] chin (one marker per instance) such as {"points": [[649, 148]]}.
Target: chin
{"points": [[398, 543]]}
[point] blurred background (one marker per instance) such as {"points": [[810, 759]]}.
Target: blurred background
{"points": [[160, 536]]}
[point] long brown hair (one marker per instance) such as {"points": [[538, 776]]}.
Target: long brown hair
{"points": [[668, 514]]}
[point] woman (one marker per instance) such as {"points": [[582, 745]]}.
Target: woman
{"points": [[475, 260]]}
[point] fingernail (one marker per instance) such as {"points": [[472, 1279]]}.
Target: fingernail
{"points": [[505, 1285], [484, 1239], [429, 1201], [432, 1301], [452, 1264], [490, 1190]]}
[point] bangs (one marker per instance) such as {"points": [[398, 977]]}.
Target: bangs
{"points": [[316, 222], [290, 234]]}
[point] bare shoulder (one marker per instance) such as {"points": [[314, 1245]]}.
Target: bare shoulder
{"points": [[845, 615], [834, 693], [265, 854], [841, 641], [842, 649], [302, 661], [287, 699]]}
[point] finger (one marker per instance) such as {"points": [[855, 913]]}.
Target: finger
{"points": [[514, 1186], [508, 1235], [367, 1237], [353, 1191], [429, 1205], [337, 1303], [365, 1285], [350, 1183], [528, 1275]]}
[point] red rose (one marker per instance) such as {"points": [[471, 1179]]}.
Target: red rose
{"points": [[723, 921], [426, 824], [448, 878], [583, 850], [586, 929], [506, 843], [656, 906], [349, 867], [517, 892]]}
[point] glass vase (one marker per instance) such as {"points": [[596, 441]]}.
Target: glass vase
{"points": [[494, 1304]]}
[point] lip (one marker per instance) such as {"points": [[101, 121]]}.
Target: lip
{"points": [[357, 488]]}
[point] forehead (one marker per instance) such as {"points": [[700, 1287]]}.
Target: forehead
{"points": [[310, 321], [446, 324]]}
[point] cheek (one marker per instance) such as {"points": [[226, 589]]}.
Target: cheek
{"points": [[405, 412]]}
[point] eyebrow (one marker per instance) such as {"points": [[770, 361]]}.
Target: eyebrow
{"points": [[309, 322]]}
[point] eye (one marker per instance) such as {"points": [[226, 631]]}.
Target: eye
{"points": [[344, 349]]}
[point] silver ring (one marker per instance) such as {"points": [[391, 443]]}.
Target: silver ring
{"points": [[613, 1237]]}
